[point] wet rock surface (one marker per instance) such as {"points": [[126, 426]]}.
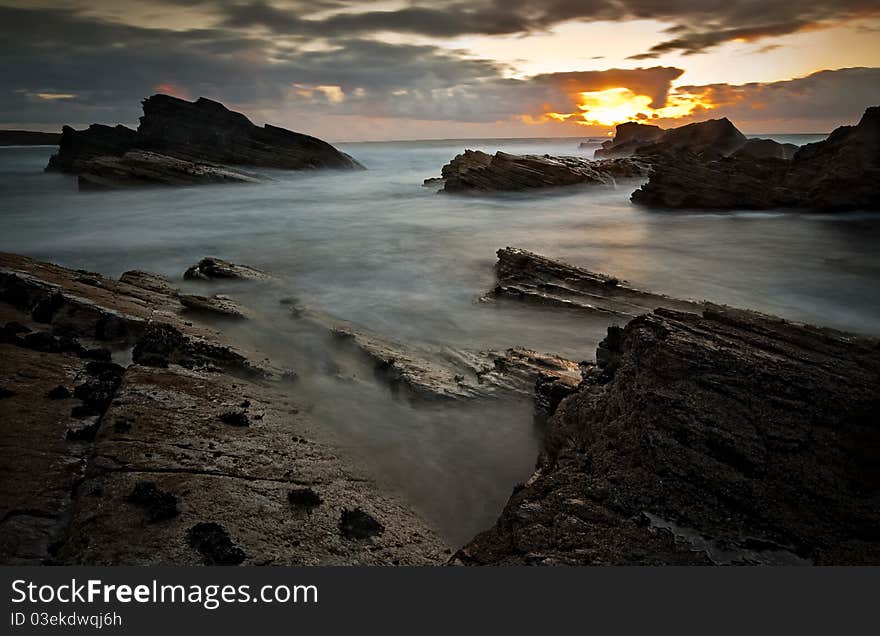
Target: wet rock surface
{"points": [[95, 475], [143, 168], [721, 437], [476, 171], [525, 276], [211, 268], [187, 143]]}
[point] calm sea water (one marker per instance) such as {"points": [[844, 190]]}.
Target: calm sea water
{"points": [[378, 249]]}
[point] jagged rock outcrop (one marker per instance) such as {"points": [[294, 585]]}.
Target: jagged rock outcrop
{"points": [[105, 464], [839, 173], [98, 140], [205, 130], [476, 171], [706, 139], [186, 143], [628, 138], [529, 277], [724, 437]]}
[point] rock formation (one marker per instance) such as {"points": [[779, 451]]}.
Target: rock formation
{"points": [[529, 277], [211, 268], [724, 437], [139, 464], [628, 137], [185, 143], [476, 171], [839, 173], [422, 373], [142, 168]]}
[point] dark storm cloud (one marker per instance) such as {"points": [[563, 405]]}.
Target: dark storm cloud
{"points": [[698, 25]]}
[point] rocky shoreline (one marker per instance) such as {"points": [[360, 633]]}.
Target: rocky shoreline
{"points": [[138, 434]]}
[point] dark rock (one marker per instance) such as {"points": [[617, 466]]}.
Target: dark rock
{"points": [[766, 149], [357, 524], [45, 308], [42, 341], [304, 498], [726, 437], [529, 277], [60, 392], [160, 505], [15, 327], [707, 139], [219, 306], [184, 143], [214, 544], [144, 168], [99, 353], [205, 130], [840, 173], [100, 386], [628, 138], [210, 268], [6, 393], [77, 146], [83, 431], [738, 182], [550, 390], [475, 171], [148, 281], [235, 418]]}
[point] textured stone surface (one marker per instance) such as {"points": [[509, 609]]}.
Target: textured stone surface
{"points": [[726, 437], [839, 173], [476, 171], [529, 277], [105, 463], [142, 168]]}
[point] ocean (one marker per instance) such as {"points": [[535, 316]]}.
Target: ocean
{"points": [[381, 251]]}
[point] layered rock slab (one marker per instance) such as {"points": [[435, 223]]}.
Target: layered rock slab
{"points": [[721, 437]]}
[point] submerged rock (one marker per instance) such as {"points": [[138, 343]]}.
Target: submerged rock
{"points": [[476, 171], [721, 437], [217, 305]]}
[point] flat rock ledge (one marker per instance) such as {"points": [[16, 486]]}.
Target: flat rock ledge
{"points": [[136, 435], [528, 277], [475, 171], [719, 437]]}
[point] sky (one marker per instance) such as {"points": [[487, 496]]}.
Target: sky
{"points": [[350, 70]]}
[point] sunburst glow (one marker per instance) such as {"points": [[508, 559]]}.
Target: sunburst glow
{"points": [[617, 105]]}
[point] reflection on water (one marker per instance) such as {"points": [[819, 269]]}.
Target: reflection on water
{"points": [[381, 251]]}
